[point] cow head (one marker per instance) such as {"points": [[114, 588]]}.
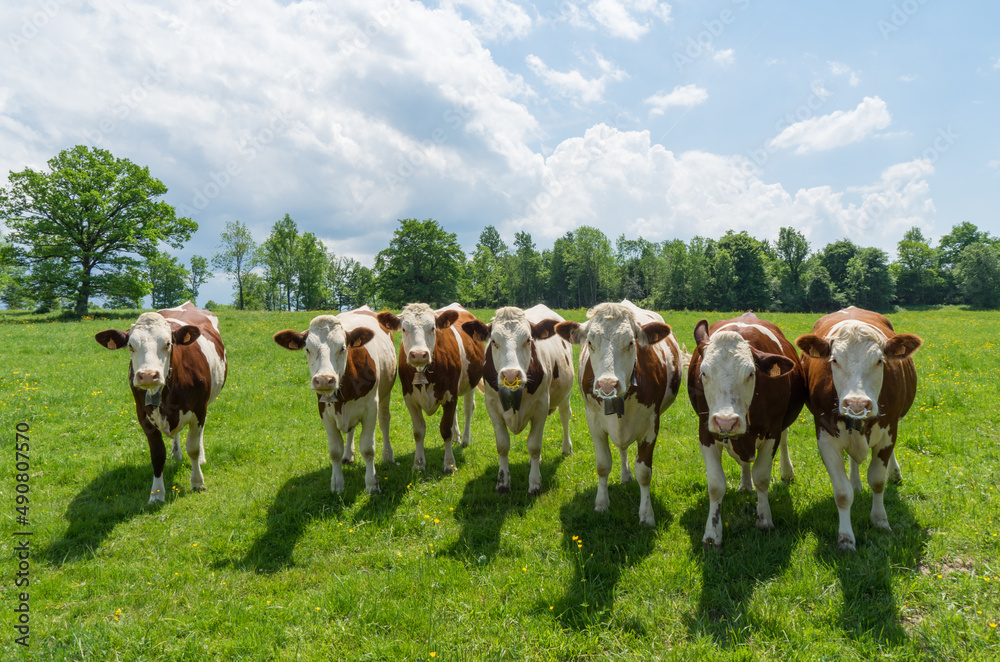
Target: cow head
{"points": [[510, 337], [610, 339], [327, 344], [150, 343], [419, 325], [728, 372], [857, 354]]}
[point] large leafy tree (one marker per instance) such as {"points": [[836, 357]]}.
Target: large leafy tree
{"points": [[750, 287], [977, 274], [169, 279], [868, 282], [312, 265], [280, 254], [237, 258], [422, 263], [197, 275], [486, 270], [918, 279], [95, 216]]}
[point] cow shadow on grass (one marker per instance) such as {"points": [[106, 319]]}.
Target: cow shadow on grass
{"points": [[748, 559], [871, 610], [602, 547], [482, 512], [306, 498], [114, 497]]}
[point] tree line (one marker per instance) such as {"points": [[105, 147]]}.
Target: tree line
{"points": [[93, 228]]}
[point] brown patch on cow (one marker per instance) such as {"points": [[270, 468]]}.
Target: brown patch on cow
{"points": [[535, 372], [490, 374], [651, 378], [644, 453], [358, 380]]}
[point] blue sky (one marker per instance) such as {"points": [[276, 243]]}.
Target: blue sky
{"points": [[644, 118]]}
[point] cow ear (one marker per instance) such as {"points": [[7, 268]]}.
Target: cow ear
{"points": [[701, 332], [569, 331], [359, 336], [477, 330], [814, 346], [445, 318], [772, 365], [186, 335], [292, 340], [388, 321], [544, 329], [902, 346], [112, 339], [654, 332]]}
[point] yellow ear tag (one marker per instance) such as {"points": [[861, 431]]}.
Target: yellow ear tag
{"points": [[111, 344], [293, 345], [775, 370], [187, 339]]}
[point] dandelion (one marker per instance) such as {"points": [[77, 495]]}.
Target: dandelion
{"points": [[437, 521]]}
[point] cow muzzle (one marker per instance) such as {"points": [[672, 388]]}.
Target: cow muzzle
{"points": [[726, 426], [859, 408], [325, 383], [511, 389], [148, 379]]}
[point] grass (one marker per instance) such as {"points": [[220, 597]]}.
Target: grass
{"points": [[268, 565]]}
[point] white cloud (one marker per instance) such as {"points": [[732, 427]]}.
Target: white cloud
{"points": [[619, 182], [686, 96], [841, 69], [837, 129], [907, 78], [572, 83], [496, 19], [627, 19], [725, 58]]}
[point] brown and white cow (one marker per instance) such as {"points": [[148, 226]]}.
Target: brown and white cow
{"points": [[861, 381], [528, 373], [177, 368], [746, 386], [630, 372], [439, 362], [352, 364]]}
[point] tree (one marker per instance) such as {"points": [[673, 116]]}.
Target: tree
{"points": [[918, 279], [977, 274], [237, 258], [835, 257], [422, 263], [868, 282], [13, 291], [486, 270], [593, 268], [92, 213], [169, 281], [280, 255], [312, 263], [638, 265], [792, 250], [750, 285], [820, 292], [197, 275]]}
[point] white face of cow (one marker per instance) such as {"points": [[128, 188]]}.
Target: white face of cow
{"points": [[326, 352], [418, 327], [150, 343], [510, 346], [857, 357], [728, 377], [611, 340]]}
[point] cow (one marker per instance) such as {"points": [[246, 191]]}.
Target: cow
{"points": [[528, 374], [353, 367], [439, 362], [746, 386], [629, 373], [862, 381], [177, 367]]}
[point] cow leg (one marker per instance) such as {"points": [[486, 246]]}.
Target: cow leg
{"points": [[502, 435], [335, 442], [644, 476], [785, 463], [468, 407], [602, 455], [832, 454], [881, 455], [449, 432], [349, 448], [534, 440], [746, 476], [762, 481], [419, 432], [626, 470], [565, 416], [196, 451], [175, 451], [158, 457], [855, 475], [366, 444], [895, 473], [383, 424], [716, 478]]}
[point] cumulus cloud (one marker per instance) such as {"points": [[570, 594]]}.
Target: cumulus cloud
{"points": [[685, 96], [619, 182], [628, 19], [841, 69], [837, 129], [725, 57], [574, 84], [493, 19]]}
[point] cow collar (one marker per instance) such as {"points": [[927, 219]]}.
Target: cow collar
{"points": [[616, 404], [420, 377], [330, 398], [855, 424]]}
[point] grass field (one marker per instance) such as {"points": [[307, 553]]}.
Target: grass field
{"points": [[269, 565]]}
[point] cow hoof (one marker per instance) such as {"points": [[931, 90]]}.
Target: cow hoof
{"points": [[535, 491], [788, 479], [155, 499], [764, 525], [503, 489], [347, 460], [387, 458], [648, 521], [709, 544], [845, 544], [199, 488], [449, 469], [374, 489], [601, 506], [419, 465], [882, 524], [466, 442]]}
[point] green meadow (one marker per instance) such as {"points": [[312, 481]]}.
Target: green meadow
{"points": [[267, 564]]}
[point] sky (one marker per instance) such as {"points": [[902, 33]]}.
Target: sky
{"points": [[662, 120]]}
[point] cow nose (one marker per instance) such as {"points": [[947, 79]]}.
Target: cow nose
{"points": [[607, 387], [147, 377], [511, 378], [857, 406], [324, 383], [419, 357], [725, 424]]}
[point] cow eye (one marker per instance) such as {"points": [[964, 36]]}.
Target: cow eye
{"points": [[879, 362], [495, 344], [131, 349], [748, 377], [833, 359]]}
